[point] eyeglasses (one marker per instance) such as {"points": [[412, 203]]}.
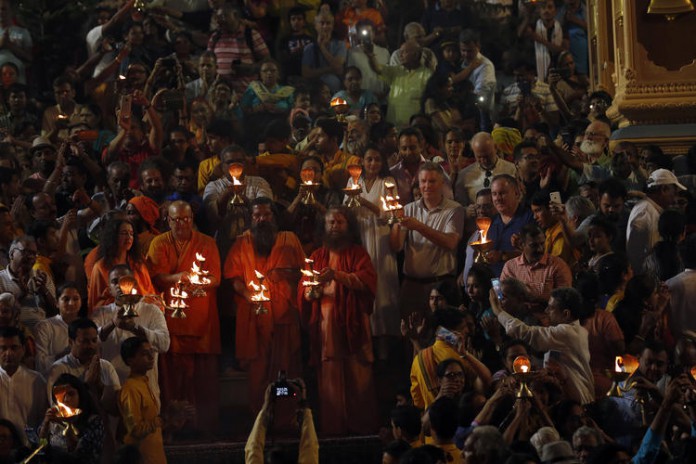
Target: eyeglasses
{"points": [[180, 220], [487, 180]]}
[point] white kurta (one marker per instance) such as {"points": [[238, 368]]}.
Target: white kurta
{"points": [[385, 319], [22, 399], [51, 337], [151, 320]]}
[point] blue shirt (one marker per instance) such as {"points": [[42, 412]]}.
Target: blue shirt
{"points": [[501, 234]]}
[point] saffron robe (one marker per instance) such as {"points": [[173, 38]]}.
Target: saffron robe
{"points": [[98, 292]]}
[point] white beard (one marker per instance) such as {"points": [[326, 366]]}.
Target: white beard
{"points": [[593, 149]]}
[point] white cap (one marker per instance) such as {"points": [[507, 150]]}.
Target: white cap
{"points": [[663, 177]]}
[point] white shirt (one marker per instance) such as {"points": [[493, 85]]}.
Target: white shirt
{"points": [[484, 81], [151, 320], [22, 399], [422, 258], [69, 364], [642, 233], [570, 340], [31, 304], [370, 79], [472, 178], [51, 337], [254, 187], [682, 304]]}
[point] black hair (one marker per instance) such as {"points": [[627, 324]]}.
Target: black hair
{"points": [[541, 197], [315, 159], [16, 437], [655, 346], [39, 228], [384, 170], [610, 271], [483, 275], [408, 419], [331, 127], [601, 94], [449, 318], [6, 175], [66, 286], [108, 241], [62, 80], [443, 417], [410, 132], [638, 290], [608, 227], [687, 251], [220, 127], [586, 284], [530, 230], [130, 347], [17, 88], [671, 225], [352, 68], [469, 36], [396, 449], [11, 332], [86, 405], [517, 152], [570, 299], [449, 291], [296, 11], [509, 344], [80, 324], [443, 365], [234, 148], [278, 129]]}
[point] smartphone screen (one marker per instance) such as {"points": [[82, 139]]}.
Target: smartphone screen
{"points": [[556, 198], [497, 288]]}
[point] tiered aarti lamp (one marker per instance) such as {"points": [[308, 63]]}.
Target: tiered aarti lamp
{"points": [[522, 372], [312, 283], [178, 299], [129, 296], [308, 184], [259, 297], [236, 170], [390, 204], [482, 245], [624, 367], [199, 276], [340, 107], [355, 190], [65, 412]]}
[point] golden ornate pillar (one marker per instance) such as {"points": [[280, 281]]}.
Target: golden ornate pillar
{"points": [[648, 64]]}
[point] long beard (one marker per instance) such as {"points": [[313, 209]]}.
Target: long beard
{"points": [[337, 241], [591, 148], [356, 147], [264, 235]]}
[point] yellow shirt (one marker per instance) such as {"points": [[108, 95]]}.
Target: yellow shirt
{"points": [[205, 170], [140, 410], [557, 246], [43, 263], [335, 174]]}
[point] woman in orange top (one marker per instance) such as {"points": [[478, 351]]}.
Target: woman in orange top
{"points": [[118, 245]]}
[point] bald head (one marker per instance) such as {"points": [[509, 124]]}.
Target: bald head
{"points": [[484, 150], [180, 218], [179, 207]]}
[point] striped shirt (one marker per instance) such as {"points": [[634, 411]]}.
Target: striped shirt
{"points": [[231, 48]]}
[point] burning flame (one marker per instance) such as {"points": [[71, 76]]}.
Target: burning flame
{"points": [[521, 365], [134, 292], [389, 185], [307, 176], [178, 296], [127, 285], [483, 223], [198, 274], [338, 101], [355, 170], [200, 257], [258, 274], [236, 170], [693, 372], [626, 363], [390, 203], [235, 181], [66, 411]]}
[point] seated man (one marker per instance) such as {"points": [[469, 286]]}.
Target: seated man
{"points": [[565, 340], [540, 271]]}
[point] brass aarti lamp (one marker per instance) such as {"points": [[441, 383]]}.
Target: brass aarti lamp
{"points": [[355, 190], [624, 367], [259, 296], [312, 283], [391, 205], [65, 412], [129, 296], [670, 8], [178, 299], [522, 372], [309, 186], [236, 170], [198, 278], [482, 245]]}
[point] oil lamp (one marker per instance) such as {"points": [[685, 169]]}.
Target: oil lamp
{"points": [[199, 277], [308, 184], [522, 372], [624, 367], [340, 107], [355, 190], [64, 411], [482, 245], [259, 297], [129, 296], [178, 301], [312, 283], [236, 170], [391, 205]]}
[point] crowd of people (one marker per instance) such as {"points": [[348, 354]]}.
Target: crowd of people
{"points": [[399, 218]]}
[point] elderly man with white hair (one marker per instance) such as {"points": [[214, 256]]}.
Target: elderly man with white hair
{"points": [[415, 31]]}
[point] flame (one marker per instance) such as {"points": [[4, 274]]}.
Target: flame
{"points": [[307, 176], [235, 181], [521, 365], [389, 185], [258, 274], [693, 372], [309, 261], [134, 292], [483, 223], [66, 411], [338, 101], [355, 170], [127, 284], [200, 257], [626, 363], [236, 170]]}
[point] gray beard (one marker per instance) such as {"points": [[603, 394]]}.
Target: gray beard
{"points": [[355, 148], [592, 149]]}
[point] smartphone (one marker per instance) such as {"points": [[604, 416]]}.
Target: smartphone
{"points": [[124, 116], [497, 288], [556, 198]]}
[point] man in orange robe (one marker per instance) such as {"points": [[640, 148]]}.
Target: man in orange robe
{"points": [[339, 327], [189, 370], [266, 343]]}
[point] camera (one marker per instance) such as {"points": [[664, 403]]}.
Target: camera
{"points": [[282, 388]]}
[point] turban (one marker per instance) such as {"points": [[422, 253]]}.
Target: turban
{"points": [[506, 138], [148, 209]]}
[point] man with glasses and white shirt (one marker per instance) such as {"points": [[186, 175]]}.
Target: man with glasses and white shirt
{"points": [[479, 175]]}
